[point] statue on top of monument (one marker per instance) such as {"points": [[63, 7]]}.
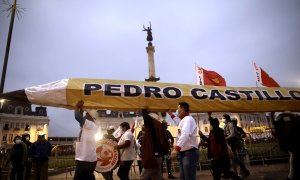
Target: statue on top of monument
{"points": [[149, 32]]}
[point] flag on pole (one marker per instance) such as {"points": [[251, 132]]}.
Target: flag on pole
{"points": [[210, 78], [263, 78]]}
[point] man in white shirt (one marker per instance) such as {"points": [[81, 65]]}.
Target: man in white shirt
{"points": [[86, 157], [186, 142], [126, 145]]}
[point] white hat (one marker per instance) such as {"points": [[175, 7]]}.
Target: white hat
{"points": [[111, 128], [41, 133], [154, 116]]}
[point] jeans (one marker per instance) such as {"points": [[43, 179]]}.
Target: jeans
{"points": [[153, 173], [188, 163]]}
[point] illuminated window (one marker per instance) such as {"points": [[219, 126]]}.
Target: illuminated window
{"points": [[205, 129], [10, 138]]}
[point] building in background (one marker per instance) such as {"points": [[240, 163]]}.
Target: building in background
{"points": [[104, 119], [55, 140], [108, 118], [257, 125], [18, 118]]}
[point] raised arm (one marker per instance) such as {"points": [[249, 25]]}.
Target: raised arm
{"points": [[78, 113], [147, 119], [175, 119]]}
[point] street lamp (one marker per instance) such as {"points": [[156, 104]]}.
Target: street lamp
{"points": [[2, 102]]}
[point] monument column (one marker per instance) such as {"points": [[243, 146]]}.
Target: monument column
{"points": [[150, 50]]}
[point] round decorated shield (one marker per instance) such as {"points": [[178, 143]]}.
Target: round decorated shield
{"points": [[107, 156]]}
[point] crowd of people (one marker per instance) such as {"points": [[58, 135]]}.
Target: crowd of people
{"points": [[154, 144], [26, 155]]}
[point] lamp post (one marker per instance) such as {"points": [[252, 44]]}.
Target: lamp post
{"points": [[11, 25]]}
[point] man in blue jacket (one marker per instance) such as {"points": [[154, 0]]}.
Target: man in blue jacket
{"points": [[40, 152]]}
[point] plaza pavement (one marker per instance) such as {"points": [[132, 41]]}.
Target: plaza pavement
{"points": [[258, 172]]}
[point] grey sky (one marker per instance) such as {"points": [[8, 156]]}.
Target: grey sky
{"points": [[56, 39]]}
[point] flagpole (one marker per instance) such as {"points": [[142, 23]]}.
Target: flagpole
{"points": [[195, 66], [254, 74]]}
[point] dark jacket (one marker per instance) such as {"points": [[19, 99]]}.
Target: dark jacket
{"points": [[154, 141], [216, 136], [40, 151], [241, 132], [287, 132], [18, 155]]}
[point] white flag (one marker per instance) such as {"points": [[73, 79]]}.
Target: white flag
{"points": [[257, 72], [199, 75]]}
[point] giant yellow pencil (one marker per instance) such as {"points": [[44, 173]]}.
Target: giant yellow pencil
{"points": [[135, 95]]}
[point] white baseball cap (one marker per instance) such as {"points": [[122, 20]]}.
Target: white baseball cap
{"points": [[41, 133]]}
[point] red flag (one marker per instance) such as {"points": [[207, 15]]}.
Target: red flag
{"points": [[263, 77], [267, 80], [210, 78]]}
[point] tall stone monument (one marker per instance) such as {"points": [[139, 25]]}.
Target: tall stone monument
{"points": [[150, 50]]}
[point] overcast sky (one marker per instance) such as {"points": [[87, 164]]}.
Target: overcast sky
{"points": [[56, 39]]}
